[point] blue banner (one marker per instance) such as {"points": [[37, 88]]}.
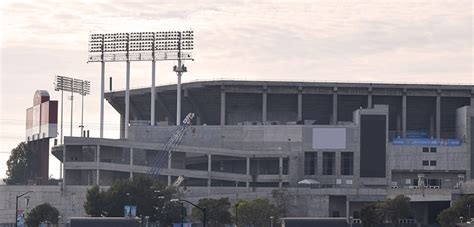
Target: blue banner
{"points": [[130, 211], [426, 142]]}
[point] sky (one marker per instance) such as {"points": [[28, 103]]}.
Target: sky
{"points": [[393, 41]]}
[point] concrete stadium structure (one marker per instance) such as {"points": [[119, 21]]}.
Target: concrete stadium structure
{"points": [[354, 143]]}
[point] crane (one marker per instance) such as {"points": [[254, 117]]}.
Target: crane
{"points": [[169, 146]]}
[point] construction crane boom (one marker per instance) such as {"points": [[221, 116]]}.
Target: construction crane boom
{"points": [[170, 146]]}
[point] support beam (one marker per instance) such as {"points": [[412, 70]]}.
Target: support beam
{"points": [[472, 97], [247, 172], [438, 114], [209, 169], [300, 103], [131, 163], [127, 100], [97, 162], [369, 98], [404, 113], [348, 211], [337, 169], [153, 92], [122, 126], [264, 105], [334, 106], [222, 105], [280, 173]]}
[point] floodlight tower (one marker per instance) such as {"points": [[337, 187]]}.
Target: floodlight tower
{"points": [[139, 46], [72, 85], [179, 69]]}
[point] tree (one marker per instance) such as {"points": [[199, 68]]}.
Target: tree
{"points": [[398, 208], [217, 211], [151, 199], [372, 214], [95, 202], [389, 210], [450, 216], [42, 213], [256, 212], [20, 165]]}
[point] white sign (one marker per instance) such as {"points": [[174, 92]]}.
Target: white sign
{"points": [[329, 138]]}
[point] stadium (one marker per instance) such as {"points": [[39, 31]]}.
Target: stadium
{"points": [[330, 147]]}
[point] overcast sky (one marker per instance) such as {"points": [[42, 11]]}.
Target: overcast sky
{"points": [[402, 41]]}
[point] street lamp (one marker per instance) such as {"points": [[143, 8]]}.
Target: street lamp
{"points": [[271, 221], [16, 206], [200, 208]]}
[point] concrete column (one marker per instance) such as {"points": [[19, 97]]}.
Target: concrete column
{"points": [[209, 170], [432, 126], [369, 98], [169, 168], [222, 105], [337, 165], [404, 113], [399, 125], [472, 97], [247, 171], [319, 163], [300, 104], [153, 92], [122, 126], [347, 209], [280, 173], [264, 105], [127, 100], [131, 163], [334, 106], [97, 162], [438, 115]]}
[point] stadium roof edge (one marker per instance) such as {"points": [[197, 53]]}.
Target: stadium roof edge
{"points": [[196, 84]]}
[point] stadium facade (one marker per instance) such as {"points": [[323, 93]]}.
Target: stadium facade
{"points": [[331, 147]]}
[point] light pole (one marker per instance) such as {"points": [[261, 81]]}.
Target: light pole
{"points": [[351, 219], [271, 221], [200, 208], [16, 206], [236, 215], [469, 207]]}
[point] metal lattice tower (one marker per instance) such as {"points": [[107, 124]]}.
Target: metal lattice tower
{"points": [[170, 146]]}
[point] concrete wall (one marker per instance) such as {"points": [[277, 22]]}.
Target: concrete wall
{"points": [[411, 158], [69, 202]]}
